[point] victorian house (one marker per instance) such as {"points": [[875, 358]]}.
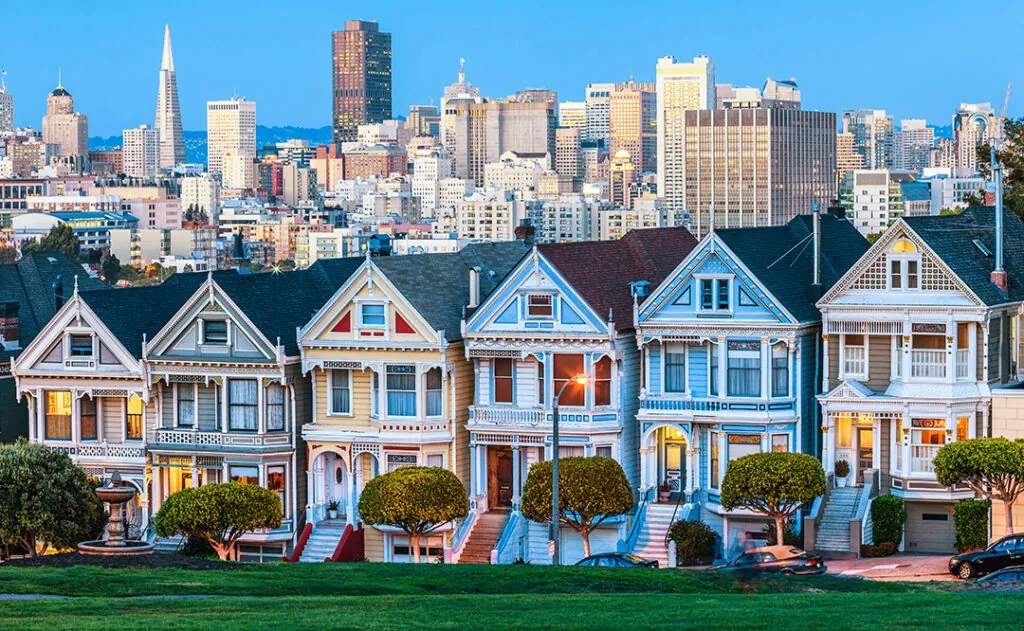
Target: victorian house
{"points": [[391, 385], [564, 310], [915, 336], [730, 351]]}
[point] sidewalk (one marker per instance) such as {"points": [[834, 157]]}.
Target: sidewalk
{"points": [[898, 567]]}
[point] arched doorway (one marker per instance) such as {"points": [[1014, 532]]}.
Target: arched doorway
{"points": [[666, 464], [330, 482]]}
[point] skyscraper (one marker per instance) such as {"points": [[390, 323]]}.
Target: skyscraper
{"points": [[872, 136], [171, 141], [597, 104], [631, 125], [912, 144], [680, 87], [573, 114], [230, 129], [6, 107], [482, 132], [361, 77], [65, 128], [460, 91], [141, 148], [973, 124]]}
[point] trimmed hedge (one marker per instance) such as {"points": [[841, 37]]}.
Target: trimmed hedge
{"points": [[887, 518], [970, 518], [695, 542]]}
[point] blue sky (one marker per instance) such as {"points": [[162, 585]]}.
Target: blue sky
{"points": [[912, 59]]}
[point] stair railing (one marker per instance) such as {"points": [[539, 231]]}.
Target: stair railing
{"points": [[629, 543], [862, 508], [509, 530], [675, 513], [812, 521], [460, 536]]}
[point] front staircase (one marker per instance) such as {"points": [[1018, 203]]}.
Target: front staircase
{"points": [[484, 537], [650, 543], [323, 541], [833, 534]]}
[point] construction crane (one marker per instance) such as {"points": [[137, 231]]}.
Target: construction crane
{"points": [[1001, 138]]}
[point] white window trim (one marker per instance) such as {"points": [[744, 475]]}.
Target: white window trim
{"points": [[358, 324], [698, 302], [330, 394], [903, 258], [686, 371], [554, 310], [382, 388], [228, 333], [174, 397], [442, 390], [67, 345], [842, 357], [428, 454]]}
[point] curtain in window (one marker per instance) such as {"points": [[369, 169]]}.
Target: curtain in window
{"points": [[780, 371], [186, 404], [713, 369], [87, 412], [242, 406], [340, 393], [434, 398], [58, 415], [275, 407], [744, 376], [401, 388], [603, 382], [675, 369]]}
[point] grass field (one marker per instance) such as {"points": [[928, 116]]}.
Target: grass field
{"points": [[372, 596]]}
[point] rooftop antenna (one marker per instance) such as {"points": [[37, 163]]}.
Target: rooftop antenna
{"points": [[3, 81], [462, 69], [59, 82]]}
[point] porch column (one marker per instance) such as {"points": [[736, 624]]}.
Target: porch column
{"points": [[473, 473], [950, 350], [723, 367], [824, 357], [156, 498], [515, 475], [905, 445], [645, 475], [695, 467], [689, 474], [195, 473], [223, 406], [350, 504], [906, 355]]}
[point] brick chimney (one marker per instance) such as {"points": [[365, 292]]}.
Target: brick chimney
{"points": [[1001, 279], [9, 324], [525, 232]]}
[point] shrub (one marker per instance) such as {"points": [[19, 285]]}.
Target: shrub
{"points": [[884, 549], [970, 518], [842, 468], [773, 484], [789, 534], [887, 517], [219, 514], [695, 542], [415, 499], [590, 490]]}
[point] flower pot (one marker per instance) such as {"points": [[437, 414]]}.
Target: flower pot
{"points": [[664, 496], [332, 514], [841, 482]]}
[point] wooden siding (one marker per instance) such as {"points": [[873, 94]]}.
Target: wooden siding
{"points": [[303, 413], [884, 456], [373, 544], [833, 361], [629, 404], [464, 380], [879, 362], [808, 384], [206, 407], [113, 418]]}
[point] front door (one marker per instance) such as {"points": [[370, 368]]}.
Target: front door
{"points": [[674, 467], [499, 477], [865, 451]]}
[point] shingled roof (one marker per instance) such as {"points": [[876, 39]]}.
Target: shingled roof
{"points": [[437, 285], [782, 258], [601, 271], [29, 282], [952, 238]]}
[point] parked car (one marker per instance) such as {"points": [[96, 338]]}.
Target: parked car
{"points": [[1003, 553], [776, 560], [615, 559], [1009, 574]]}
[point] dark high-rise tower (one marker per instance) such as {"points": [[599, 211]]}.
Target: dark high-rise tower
{"points": [[361, 77]]}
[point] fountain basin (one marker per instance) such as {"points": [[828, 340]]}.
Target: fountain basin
{"points": [[123, 548], [115, 494]]}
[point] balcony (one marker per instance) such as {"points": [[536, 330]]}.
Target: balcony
{"points": [[928, 364], [671, 406], [101, 451], [526, 418], [921, 457], [171, 438]]}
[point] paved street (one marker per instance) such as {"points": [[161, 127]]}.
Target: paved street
{"points": [[899, 567]]}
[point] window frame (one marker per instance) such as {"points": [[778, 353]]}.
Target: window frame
{"points": [[557, 383], [606, 383], [232, 476], [72, 353], [716, 285], [511, 377], [665, 367], [191, 387], [82, 415], [204, 337], [128, 417], [332, 386], [773, 370], [233, 405], [283, 491], [428, 391], [388, 390], [744, 354], [268, 404], [530, 306], [383, 315]]}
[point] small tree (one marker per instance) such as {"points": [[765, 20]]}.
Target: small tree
{"points": [[773, 484], [992, 467], [62, 239], [416, 499], [219, 514], [45, 500], [590, 490], [111, 269]]}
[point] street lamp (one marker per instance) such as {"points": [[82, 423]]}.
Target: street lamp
{"points": [[580, 380]]}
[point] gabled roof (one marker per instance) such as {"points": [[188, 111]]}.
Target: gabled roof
{"points": [[30, 283], [601, 271], [437, 285], [782, 258], [951, 238]]}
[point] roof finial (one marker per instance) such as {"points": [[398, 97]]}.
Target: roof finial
{"points": [[711, 218], [76, 285]]}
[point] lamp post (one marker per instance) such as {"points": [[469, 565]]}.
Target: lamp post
{"points": [[580, 380]]}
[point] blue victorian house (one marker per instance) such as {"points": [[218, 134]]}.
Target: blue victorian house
{"points": [[731, 360]]}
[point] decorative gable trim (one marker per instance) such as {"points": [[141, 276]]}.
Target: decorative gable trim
{"points": [[344, 325]]}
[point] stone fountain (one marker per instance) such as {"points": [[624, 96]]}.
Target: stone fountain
{"points": [[116, 495]]}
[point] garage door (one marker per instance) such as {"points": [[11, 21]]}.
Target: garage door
{"points": [[601, 540], [929, 528]]}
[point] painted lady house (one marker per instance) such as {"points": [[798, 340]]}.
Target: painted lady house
{"points": [[916, 334], [564, 310], [730, 351], [391, 385]]}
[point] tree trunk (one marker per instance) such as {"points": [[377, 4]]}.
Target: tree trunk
{"points": [[585, 535], [780, 524], [414, 540], [1009, 515], [223, 550]]}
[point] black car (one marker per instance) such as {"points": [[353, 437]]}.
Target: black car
{"points": [[776, 560], [1003, 553], [1009, 574], [616, 559]]}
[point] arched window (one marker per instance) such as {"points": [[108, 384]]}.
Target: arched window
{"points": [[904, 246], [904, 266]]}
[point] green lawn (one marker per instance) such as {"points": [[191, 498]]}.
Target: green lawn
{"points": [[372, 596]]}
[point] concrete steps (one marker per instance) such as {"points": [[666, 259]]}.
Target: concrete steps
{"points": [[833, 534], [650, 543], [322, 541], [483, 538]]}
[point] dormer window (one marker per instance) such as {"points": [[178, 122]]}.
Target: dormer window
{"points": [[81, 346], [904, 266], [539, 305], [715, 294], [372, 315], [215, 332]]}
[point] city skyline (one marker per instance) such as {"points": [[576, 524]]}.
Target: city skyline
{"points": [[424, 63]]}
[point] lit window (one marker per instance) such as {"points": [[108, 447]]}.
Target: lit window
{"points": [[566, 368], [372, 315], [215, 332], [603, 381], [133, 418], [87, 411], [539, 305]]}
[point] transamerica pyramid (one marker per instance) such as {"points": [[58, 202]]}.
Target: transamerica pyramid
{"points": [[168, 113]]}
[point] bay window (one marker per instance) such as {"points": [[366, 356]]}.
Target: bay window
{"points": [[565, 369], [541, 383], [713, 361], [603, 381], [434, 392], [275, 407], [743, 445], [276, 483], [744, 370], [780, 370], [87, 414], [928, 352], [675, 368], [401, 390], [341, 392], [243, 406], [504, 380], [133, 418], [186, 397], [963, 428], [245, 475], [927, 436]]}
